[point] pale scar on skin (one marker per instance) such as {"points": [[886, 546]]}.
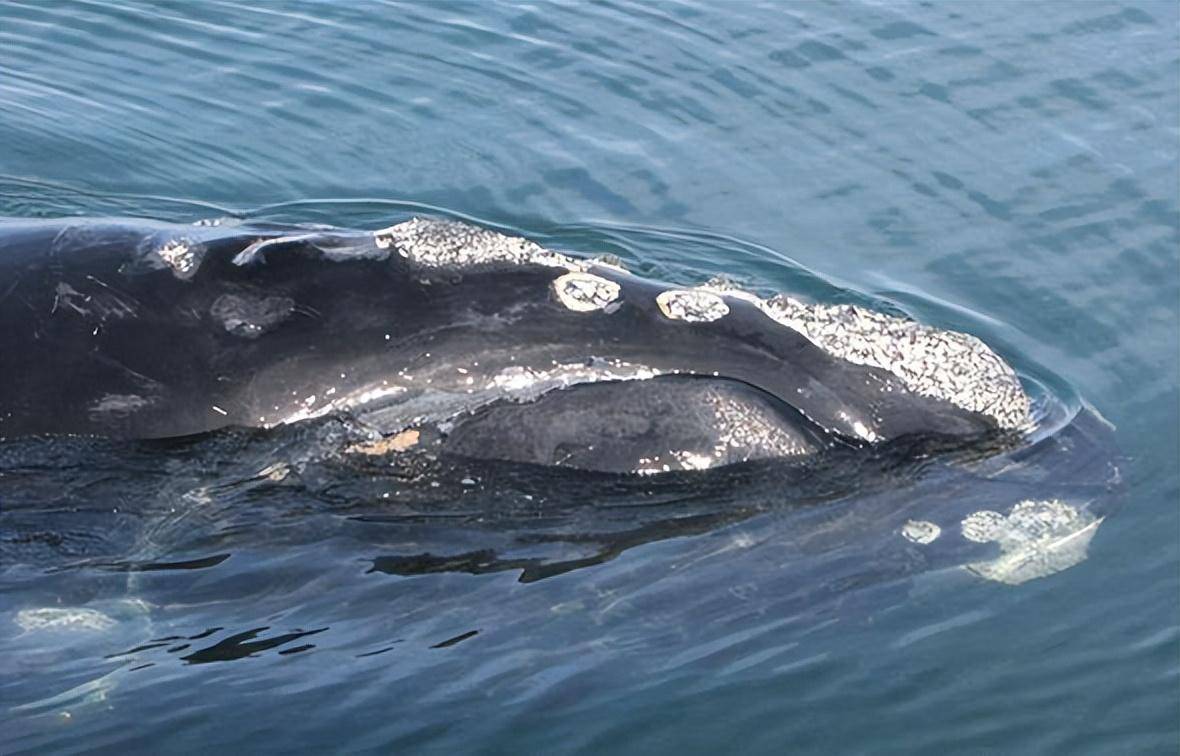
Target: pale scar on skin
{"points": [[396, 443]]}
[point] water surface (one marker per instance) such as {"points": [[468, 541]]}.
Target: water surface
{"points": [[1008, 169]]}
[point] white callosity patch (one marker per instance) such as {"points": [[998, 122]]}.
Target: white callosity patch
{"points": [[182, 256], [447, 243], [692, 305], [585, 292], [955, 367], [920, 531], [1036, 538], [982, 526]]}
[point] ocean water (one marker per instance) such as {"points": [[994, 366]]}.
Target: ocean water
{"points": [[1010, 169]]}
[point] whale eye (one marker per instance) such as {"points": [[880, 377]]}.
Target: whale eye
{"points": [[692, 305], [585, 292]]}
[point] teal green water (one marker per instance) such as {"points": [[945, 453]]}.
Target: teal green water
{"points": [[1009, 168]]}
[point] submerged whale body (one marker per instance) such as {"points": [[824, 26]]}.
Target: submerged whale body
{"points": [[439, 335]]}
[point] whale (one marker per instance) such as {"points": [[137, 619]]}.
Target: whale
{"points": [[438, 333], [399, 424]]}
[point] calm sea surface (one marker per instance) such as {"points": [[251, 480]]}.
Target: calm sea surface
{"points": [[1000, 167]]}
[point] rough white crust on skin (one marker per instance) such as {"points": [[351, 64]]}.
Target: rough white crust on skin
{"points": [[182, 256], [585, 292], [1036, 538], [447, 243], [920, 531], [982, 526], [955, 367], [691, 305]]}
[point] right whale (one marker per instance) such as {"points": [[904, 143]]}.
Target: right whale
{"points": [[473, 402], [448, 337]]}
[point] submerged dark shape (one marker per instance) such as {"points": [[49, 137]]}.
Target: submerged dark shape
{"points": [[1009, 512], [460, 340]]}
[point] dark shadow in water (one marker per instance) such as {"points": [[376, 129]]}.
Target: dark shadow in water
{"points": [[205, 633], [137, 649], [237, 646], [297, 649], [242, 645], [378, 651], [457, 639], [611, 545], [188, 564]]}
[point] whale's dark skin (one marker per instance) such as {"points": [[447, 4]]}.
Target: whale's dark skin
{"points": [[100, 335]]}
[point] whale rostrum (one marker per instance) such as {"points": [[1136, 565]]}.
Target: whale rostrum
{"points": [[485, 344]]}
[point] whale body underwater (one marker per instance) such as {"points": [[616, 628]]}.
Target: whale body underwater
{"points": [[436, 333]]}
